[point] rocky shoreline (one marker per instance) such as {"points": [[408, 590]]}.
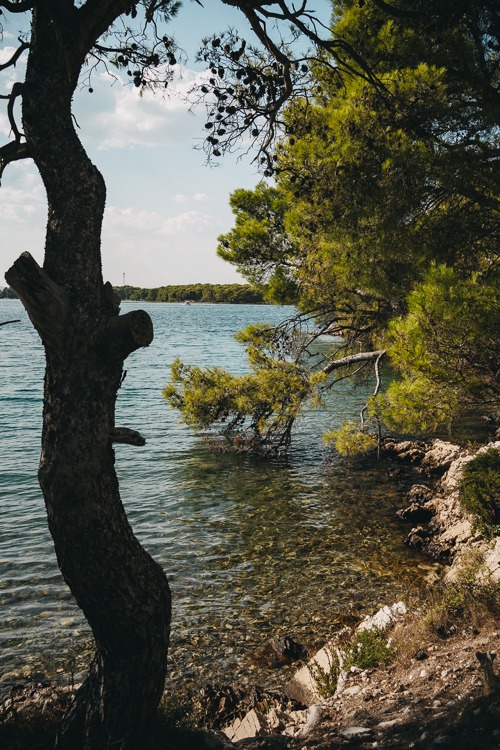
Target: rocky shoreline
{"points": [[439, 691]]}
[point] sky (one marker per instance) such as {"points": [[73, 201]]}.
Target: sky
{"points": [[165, 206]]}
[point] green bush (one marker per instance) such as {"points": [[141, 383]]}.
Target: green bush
{"points": [[325, 680], [369, 649], [480, 491]]}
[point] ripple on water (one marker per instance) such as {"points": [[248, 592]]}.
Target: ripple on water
{"points": [[252, 549]]}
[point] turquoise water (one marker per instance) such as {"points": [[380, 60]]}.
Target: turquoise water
{"points": [[253, 549]]}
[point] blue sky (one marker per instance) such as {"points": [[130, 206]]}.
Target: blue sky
{"points": [[165, 206]]}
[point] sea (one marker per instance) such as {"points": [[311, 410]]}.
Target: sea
{"points": [[254, 548]]}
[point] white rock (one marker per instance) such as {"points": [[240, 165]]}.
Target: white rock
{"points": [[252, 725], [356, 732], [353, 690], [384, 618]]}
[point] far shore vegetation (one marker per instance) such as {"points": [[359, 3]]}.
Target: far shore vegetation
{"points": [[229, 294]]}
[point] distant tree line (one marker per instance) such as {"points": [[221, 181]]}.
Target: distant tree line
{"points": [[8, 293], [233, 294]]}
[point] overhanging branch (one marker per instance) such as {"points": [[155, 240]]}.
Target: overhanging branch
{"points": [[352, 359]]}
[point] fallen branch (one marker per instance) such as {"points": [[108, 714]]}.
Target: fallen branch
{"points": [[352, 359]]}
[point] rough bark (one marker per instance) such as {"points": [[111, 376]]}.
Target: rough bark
{"points": [[122, 591]]}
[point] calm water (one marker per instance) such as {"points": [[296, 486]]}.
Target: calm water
{"points": [[252, 549]]}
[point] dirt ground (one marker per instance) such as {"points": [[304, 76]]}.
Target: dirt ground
{"points": [[434, 697]]}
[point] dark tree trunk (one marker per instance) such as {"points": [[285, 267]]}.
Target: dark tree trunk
{"points": [[120, 588]]}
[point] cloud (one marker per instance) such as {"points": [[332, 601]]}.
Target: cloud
{"points": [[117, 116], [183, 198], [22, 195], [23, 214], [146, 246]]}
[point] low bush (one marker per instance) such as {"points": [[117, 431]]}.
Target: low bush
{"points": [[369, 649], [480, 491]]}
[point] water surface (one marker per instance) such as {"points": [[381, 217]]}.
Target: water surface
{"points": [[253, 549]]}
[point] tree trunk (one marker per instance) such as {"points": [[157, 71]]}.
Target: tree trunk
{"points": [[122, 591]]}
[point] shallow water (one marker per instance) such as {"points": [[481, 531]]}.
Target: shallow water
{"points": [[252, 548]]}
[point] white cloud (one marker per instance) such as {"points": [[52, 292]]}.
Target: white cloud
{"points": [[153, 250], [183, 198], [22, 196], [116, 115]]}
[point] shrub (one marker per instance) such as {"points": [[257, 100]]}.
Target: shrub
{"points": [[325, 680], [480, 491], [350, 440], [368, 649]]}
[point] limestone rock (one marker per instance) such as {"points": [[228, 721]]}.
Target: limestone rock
{"points": [[440, 456], [252, 725], [358, 733], [492, 560], [303, 687], [415, 513], [384, 618]]}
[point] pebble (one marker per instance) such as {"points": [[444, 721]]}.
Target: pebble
{"points": [[357, 732], [441, 740], [354, 690], [387, 724]]}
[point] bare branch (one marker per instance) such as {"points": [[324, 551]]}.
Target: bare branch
{"points": [[351, 359], [13, 151], [15, 57]]}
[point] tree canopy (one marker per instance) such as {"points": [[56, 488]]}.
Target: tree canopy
{"points": [[383, 222]]}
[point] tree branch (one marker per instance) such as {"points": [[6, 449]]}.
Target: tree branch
{"points": [[45, 302], [396, 12], [351, 359], [126, 333], [13, 151], [127, 436], [15, 57]]}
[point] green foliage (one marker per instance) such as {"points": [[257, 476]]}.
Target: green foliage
{"points": [[325, 680], [383, 220], [446, 349], [471, 598], [368, 649], [258, 245], [350, 441], [256, 410], [8, 293], [233, 294], [480, 491]]}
